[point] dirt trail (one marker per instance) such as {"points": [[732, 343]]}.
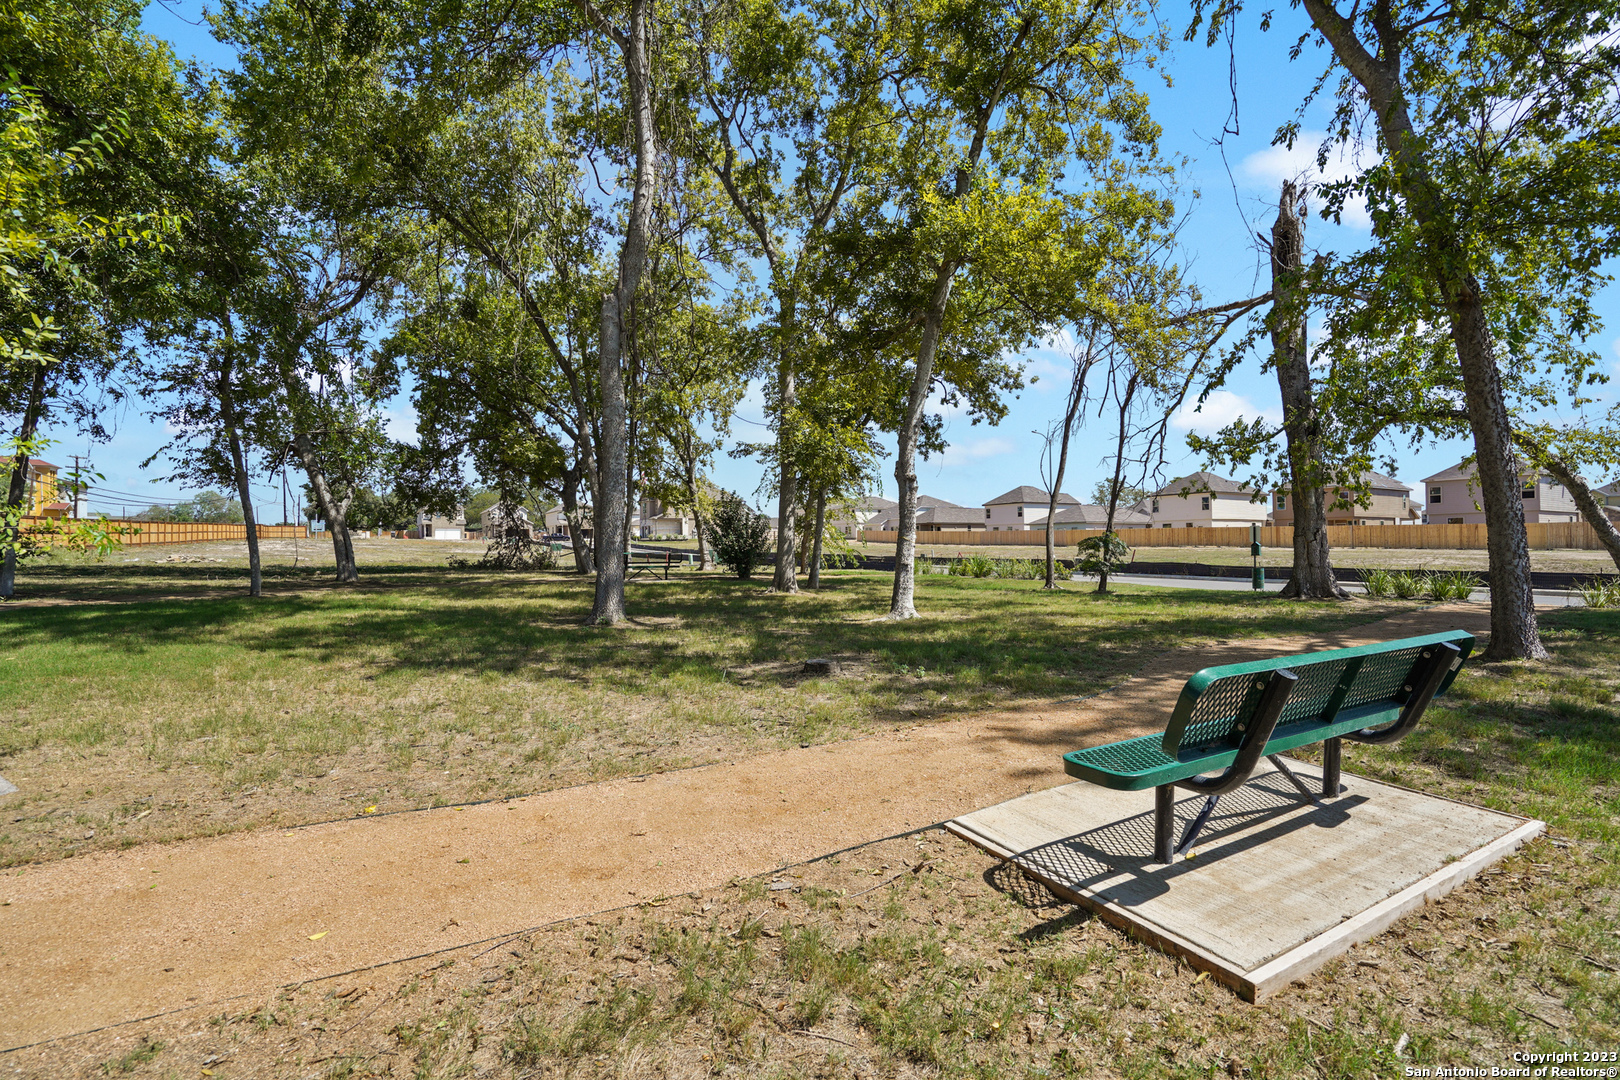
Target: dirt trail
{"points": [[109, 937]]}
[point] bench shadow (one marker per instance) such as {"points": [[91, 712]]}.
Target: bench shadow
{"points": [[1119, 855]]}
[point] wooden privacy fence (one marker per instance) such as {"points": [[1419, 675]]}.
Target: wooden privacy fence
{"points": [[194, 532], [1542, 537]]}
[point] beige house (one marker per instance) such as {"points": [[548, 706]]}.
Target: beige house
{"points": [[1452, 498], [1095, 516], [850, 516], [1389, 502], [1202, 500], [439, 527], [658, 519], [1023, 508]]}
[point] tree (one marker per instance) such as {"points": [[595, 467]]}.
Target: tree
{"points": [[1108, 491], [1493, 205], [741, 535], [1312, 577], [92, 120], [969, 239], [788, 114]]}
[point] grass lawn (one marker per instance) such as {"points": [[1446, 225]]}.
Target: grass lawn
{"points": [[917, 956], [165, 704]]}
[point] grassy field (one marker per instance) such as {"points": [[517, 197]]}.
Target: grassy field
{"points": [[917, 956], [152, 700]]}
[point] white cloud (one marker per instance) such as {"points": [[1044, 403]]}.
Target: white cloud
{"points": [[1220, 408], [1275, 164], [977, 450], [400, 424]]}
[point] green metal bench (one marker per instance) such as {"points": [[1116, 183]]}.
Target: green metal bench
{"points": [[1228, 717]]}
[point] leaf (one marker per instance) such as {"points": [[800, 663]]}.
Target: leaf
{"points": [[317, 937]]}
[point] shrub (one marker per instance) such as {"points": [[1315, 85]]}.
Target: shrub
{"points": [[974, 566], [1106, 551], [1021, 569], [740, 535], [1378, 582], [1599, 592], [1456, 585], [1406, 584]]}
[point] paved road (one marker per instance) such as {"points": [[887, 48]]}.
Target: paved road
{"points": [[1543, 597]]}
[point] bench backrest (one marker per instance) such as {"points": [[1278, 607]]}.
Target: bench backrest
{"points": [[1217, 702]]}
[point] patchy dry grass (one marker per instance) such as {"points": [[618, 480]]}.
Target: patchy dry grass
{"points": [[135, 720], [920, 957]]}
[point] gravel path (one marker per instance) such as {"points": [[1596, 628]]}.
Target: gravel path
{"points": [[94, 941]]}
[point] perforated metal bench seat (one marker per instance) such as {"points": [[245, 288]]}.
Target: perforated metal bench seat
{"points": [[1228, 717], [1137, 764]]}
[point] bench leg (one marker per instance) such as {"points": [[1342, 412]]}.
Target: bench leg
{"points": [[1330, 768], [1164, 823]]}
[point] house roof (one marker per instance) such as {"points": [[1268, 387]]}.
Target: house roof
{"points": [[1465, 471], [951, 515], [1095, 514], [1201, 481], [871, 504], [35, 465], [1024, 494], [1374, 480], [929, 500], [1612, 488]]}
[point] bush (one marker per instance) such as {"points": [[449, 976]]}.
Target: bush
{"points": [[1456, 585], [1106, 551], [1378, 582], [1600, 592], [739, 534], [974, 566], [1022, 569], [1407, 585]]}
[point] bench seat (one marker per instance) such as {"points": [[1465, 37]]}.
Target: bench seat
{"points": [[1137, 764]]}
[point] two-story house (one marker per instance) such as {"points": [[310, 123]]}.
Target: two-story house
{"points": [[933, 515], [40, 491], [1202, 499], [1452, 497], [1022, 508], [1389, 502], [438, 527]]}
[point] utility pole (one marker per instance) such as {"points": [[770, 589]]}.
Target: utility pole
{"points": [[285, 520]]}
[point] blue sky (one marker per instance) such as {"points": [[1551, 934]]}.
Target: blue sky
{"points": [[1238, 190]]}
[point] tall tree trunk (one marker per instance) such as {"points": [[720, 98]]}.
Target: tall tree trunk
{"points": [[570, 502], [1313, 577], [688, 460], [1588, 505], [335, 511], [902, 602], [608, 532], [821, 523], [784, 579], [634, 44], [1513, 612], [19, 479], [1126, 396], [1071, 410], [227, 409]]}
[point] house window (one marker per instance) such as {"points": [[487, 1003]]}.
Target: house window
{"points": [[1156, 506], [1166, 525], [1205, 501], [1454, 521], [1529, 489], [1434, 494], [1020, 511], [1282, 502], [987, 513]]}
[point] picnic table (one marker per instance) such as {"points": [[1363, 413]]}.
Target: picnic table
{"points": [[1229, 717]]}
